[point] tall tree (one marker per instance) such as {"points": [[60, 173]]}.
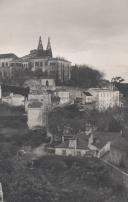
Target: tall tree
{"points": [[84, 76]]}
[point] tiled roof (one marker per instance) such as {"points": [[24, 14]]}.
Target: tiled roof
{"points": [[37, 55], [8, 55], [26, 57], [35, 104], [17, 95], [61, 59], [102, 89], [82, 142], [17, 60], [87, 93]]}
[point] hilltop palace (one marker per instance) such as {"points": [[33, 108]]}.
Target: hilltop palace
{"points": [[38, 59]]}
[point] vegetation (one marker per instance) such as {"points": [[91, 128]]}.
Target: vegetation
{"points": [[14, 132], [71, 116], [59, 179], [52, 178], [117, 79], [81, 76], [85, 76], [55, 99]]}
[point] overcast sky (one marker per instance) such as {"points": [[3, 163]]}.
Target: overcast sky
{"points": [[93, 32]]}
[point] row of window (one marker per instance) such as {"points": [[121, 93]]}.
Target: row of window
{"points": [[78, 153], [107, 95], [25, 65], [5, 64], [40, 64]]}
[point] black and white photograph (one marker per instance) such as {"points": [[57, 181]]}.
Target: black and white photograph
{"points": [[63, 101]]}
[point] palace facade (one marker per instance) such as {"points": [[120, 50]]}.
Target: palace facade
{"points": [[38, 59]]}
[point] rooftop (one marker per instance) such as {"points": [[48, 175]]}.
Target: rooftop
{"points": [[61, 59], [8, 55], [87, 93], [102, 89], [17, 60], [35, 104], [82, 142], [14, 96], [17, 95]]}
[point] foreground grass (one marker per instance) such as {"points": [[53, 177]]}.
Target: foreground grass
{"points": [[59, 179], [52, 178], [14, 132]]}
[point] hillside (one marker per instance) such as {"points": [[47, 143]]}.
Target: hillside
{"points": [[50, 178], [59, 179]]}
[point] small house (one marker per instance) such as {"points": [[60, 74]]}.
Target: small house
{"points": [[87, 98], [63, 95], [76, 146], [14, 100]]}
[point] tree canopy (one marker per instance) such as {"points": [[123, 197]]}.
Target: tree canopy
{"points": [[85, 76]]}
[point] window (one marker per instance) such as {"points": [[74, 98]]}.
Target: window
{"points": [[41, 64], [52, 63], [64, 152], [47, 83], [36, 64]]}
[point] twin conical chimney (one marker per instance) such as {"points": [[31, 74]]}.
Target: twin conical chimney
{"points": [[40, 45], [49, 49], [49, 44], [41, 51]]}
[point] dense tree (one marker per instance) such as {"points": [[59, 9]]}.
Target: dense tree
{"points": [[55, 99], [58, 179], [110, 120], [52, 178], [117, 79], [84, 76]]}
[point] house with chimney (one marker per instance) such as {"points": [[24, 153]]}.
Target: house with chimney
{"points": [[77, 145]]}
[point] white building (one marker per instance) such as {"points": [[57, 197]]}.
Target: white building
{"points": [[36, 115], [39, 86], [48, 82], [14, 100], [40, 60], [45, 98], [60, 68], [64, 96], [79, 146], [105, 98], [5, 60], [87, 98]]}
